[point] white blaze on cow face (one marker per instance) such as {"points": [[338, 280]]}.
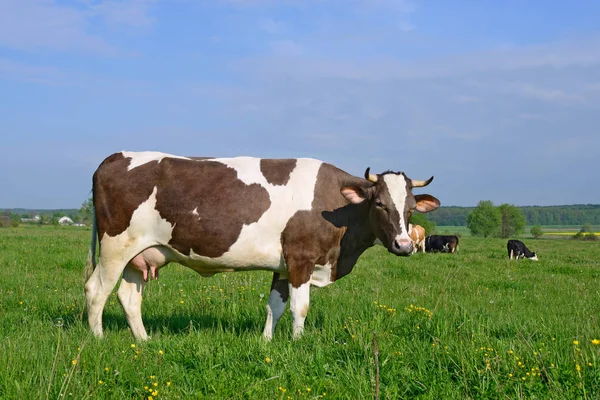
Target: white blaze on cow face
{"points": [[143, 157], [396, 185]]}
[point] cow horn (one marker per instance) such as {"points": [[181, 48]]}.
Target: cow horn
{"points": [[370, 177], [415, 183]]}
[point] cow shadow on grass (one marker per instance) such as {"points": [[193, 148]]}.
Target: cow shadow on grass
{"points": [[184, 324]]}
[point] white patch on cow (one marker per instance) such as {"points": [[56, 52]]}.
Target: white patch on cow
{"points": [[397, 188], [247, 168], [195, 212], [299, 301], [146, 228], [321, 275], [259, 244], [143, 157]]}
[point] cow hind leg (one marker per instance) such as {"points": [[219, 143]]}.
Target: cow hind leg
{"points": [[97, 289], [277, 304], [143, 266], [130, 296]]}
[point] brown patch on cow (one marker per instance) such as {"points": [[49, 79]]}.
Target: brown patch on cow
{"points": [[304, 311], [329, 233], [116, 195], [223, 202], [277, 171]]}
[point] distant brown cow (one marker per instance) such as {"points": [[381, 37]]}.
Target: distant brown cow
{"points": [[417, 234]]}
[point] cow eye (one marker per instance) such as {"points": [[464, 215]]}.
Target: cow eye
{"points": [[379, 203]]}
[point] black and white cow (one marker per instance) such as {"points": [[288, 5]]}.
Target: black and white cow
{"points": [[517, 249], [441, 243], [302, 219]]}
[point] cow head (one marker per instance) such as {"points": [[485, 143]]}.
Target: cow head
{"points": [[391, 203]]}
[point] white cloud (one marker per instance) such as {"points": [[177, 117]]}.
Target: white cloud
{"points": [[48, 25], [43, 24], [271, 26], [286, 48], [16, 71], [133, 13]]}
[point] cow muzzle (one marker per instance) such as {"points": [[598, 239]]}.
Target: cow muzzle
{"points": [[401, 247]]}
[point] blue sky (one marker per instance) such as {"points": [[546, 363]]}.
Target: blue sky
{"points": [[499, 100]]}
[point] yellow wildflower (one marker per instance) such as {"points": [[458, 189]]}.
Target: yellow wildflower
{"points": [[596, 342], [132, 346], [576, 342], [74, 362], [267, 360]]}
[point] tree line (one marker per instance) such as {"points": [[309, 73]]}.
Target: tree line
{"points": [[16, 216], [579, 214]]}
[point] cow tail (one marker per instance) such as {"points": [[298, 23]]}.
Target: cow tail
{"points": [[90, 264]]}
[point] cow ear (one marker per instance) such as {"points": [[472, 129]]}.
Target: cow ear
{"points": [[426, 203], [354, 194]]}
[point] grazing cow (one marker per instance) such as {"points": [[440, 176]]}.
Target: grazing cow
{"points": [[302, 219], [417, 234], [442, 243], [517, 249]]}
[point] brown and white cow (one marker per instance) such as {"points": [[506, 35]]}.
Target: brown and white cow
{"points": [[302, 219], [417, 234]]}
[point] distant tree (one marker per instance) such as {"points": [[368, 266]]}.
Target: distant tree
{"points": [[512, 220], [586, 228], [536, 231], [15, 219], [421, 219], [485, 220], [586, 233], [55, 217], [84, 215]]}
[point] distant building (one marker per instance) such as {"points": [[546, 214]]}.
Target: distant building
{"points": [[35, 219], [65, 221]]}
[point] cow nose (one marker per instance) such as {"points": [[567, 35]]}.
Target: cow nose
{"points": [[402, 246]]}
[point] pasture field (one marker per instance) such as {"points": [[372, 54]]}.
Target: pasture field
{"points": [[469, 325]]}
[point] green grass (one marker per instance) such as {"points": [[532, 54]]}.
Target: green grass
{"points": [[469, 325]]}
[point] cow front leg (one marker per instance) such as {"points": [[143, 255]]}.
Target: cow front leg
{"points": [[276, 305], [299, 301]]}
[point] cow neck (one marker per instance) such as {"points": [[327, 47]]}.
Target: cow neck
{"points": [[357, 238]]}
